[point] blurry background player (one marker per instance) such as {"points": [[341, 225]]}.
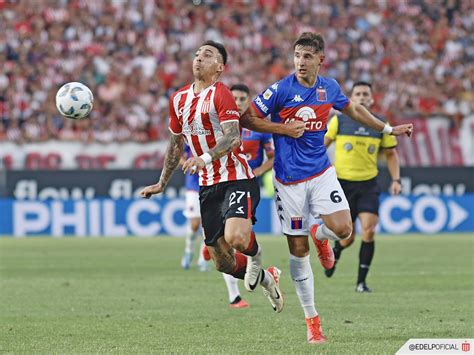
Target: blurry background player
{"points": [[255, 144], [193, 216], [357, 149]]}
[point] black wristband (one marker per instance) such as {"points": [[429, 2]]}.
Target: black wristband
{"points": [[397, 180]]}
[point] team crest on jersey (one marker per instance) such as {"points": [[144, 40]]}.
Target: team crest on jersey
{"points": [[206, 107], [321, 94]]}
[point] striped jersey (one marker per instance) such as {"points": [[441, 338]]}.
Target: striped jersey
{"points": [[198, 117], [303, 158]]}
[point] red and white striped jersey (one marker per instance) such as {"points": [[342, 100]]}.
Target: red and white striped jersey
{"points": [[198, 117]]}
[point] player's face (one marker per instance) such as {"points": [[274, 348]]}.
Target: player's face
{"points": [[207, 63], [362, 94], [307, 63], [242, 100]]}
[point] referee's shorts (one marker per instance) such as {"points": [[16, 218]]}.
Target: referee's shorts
{"points": [[363, 196]]}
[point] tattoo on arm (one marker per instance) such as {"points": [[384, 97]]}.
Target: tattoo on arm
{"points": [[172, 157], [228, 142]]}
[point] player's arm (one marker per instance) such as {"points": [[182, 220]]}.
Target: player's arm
{"points": [[393, 165], [360, 114], [229, 141], [174, 152], [267, 165], [252, 121], [331, 134]]}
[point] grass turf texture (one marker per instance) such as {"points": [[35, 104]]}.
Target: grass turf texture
{"points": [[130, 295]]}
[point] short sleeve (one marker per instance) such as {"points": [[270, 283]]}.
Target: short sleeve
{"points": [[266, 103], [333, 127], [341, 101], [175, 126], [225, 105], [388, 141]]}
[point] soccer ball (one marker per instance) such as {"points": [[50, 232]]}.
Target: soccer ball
{"points": [[74, 100]]}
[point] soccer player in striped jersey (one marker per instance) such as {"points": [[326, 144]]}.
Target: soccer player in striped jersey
{"points": [[205, 113], [305, 182]]}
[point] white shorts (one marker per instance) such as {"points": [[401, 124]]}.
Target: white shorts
{"points": [[297, 203], [192, 205]]}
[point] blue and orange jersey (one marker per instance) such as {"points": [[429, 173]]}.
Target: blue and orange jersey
{"points": [[191, 182], [300, 159], [254, 144]]}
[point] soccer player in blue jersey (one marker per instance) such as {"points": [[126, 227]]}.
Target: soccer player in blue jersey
{"points": [[305, 182], [255, 144]]}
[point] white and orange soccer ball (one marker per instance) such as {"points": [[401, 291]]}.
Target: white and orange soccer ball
{"points": [[74, 100]]}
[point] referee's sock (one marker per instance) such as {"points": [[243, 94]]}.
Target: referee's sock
{"points": [[365, 259]]}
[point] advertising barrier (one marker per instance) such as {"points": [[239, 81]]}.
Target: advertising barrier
{"points": [[138, 217]]}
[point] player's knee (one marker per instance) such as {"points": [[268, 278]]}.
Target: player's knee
{"points": [[343, 231], [368, 233], [238, 239]]}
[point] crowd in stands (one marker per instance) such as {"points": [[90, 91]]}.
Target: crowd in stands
{"points": [[133, 54]]}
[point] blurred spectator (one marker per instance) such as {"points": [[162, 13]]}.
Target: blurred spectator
{"points": [[133, 54]]}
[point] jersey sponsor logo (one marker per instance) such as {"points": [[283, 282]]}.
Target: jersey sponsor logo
{"points": [[267, 94], [361, 131], [308, 116], [297, 98], [231, 112], [261, 105], [206, 107], [195, 129], [321, 95]]}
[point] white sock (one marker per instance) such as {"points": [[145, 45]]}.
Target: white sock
{"points": [[232, 287], [201, 257], [303, 279], [190, 238], [323, 233]]}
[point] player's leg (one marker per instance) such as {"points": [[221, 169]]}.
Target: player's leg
{"points": [[193, 223], [368, 223], [339, 246], [293, 211], [242, 198], [235, 300], [327, 200]]}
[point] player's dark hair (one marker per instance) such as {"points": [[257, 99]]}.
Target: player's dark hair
{"points": [[310, 39], [241, 87], [220, 47], [361, 83]]}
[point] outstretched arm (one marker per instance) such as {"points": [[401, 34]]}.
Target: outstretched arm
{"points": [[172, 157], [253, 122], [229, 141], [360, 114]]}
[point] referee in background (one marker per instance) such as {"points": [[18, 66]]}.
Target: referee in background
{"points": [[357, 149]]}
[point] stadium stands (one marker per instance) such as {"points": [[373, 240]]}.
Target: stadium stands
{"points": [[133, 54]]}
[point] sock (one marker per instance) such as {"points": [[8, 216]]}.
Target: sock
{"points": [[253, 247], [190, 238], [265, 278], [201, 259], [365, 258], [323, 233], [338, 248], [303, 279], [232, 287], [240, 266]]}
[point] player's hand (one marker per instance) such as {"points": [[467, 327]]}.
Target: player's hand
{"points": [[395, 188], [148, 191], [193, 165], [295, 129], [403, 129]]}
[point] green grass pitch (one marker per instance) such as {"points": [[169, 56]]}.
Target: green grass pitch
{"points": [[130, 296]]}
